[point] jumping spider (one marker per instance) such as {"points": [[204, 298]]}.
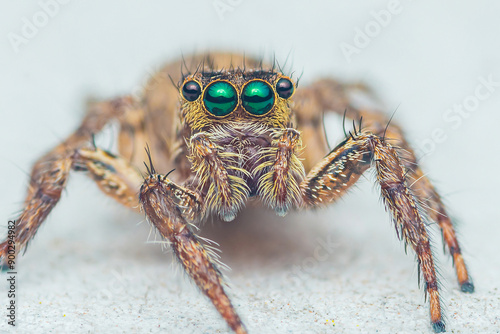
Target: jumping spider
{"points": [[235, 137]]}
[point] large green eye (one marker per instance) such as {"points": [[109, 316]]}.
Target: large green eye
{"points": [[220, 98], [257, 97]]}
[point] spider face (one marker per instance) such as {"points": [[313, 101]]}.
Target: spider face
{"points": [[233, 118], [236, 96]]}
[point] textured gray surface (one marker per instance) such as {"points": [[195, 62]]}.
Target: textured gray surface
{"points": [[90, 270]]}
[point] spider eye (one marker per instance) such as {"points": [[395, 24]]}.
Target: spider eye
{"points": [[257, 97], [191, 91], [284, 88], [220, 98]]}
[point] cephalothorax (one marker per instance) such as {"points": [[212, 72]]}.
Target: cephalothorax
{"points": [[232, 133]]}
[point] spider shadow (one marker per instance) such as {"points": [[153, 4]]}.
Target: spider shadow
{"points": [[256, 240], [260, 239]]}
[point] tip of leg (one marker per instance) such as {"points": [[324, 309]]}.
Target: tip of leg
{"points": [[467, 287], [228, 217], [240, 330], [281, 211], [439, 326]]}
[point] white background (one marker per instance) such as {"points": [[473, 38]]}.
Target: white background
{"points": [[425, 60]]}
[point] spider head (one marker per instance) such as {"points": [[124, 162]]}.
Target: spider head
{"points": [[254, 96]]}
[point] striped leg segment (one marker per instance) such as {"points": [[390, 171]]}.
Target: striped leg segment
{"points": [[50, 173], [165, 205], [340, 169], [113, 175], [436, 211], [357, 102]]}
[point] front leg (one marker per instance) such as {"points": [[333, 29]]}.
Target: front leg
{"points": [[278, 186], [357, 102], [340, 169], [219, 178], [166, 205]]}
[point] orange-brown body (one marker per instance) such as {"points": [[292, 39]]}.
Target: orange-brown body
{"points": [[225, 157]]}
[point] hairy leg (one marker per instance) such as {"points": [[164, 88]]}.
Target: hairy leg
{"points": [[50, 173], [113, 175], [356, 102], [225, 189], [278, 187], [340, 169], [165, 205]]}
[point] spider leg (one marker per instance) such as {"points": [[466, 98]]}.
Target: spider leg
{"points": [[113, 175], [356, 102], [226, 190], [282, 171], [342, 168], [50, 174], [165, 204]]}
